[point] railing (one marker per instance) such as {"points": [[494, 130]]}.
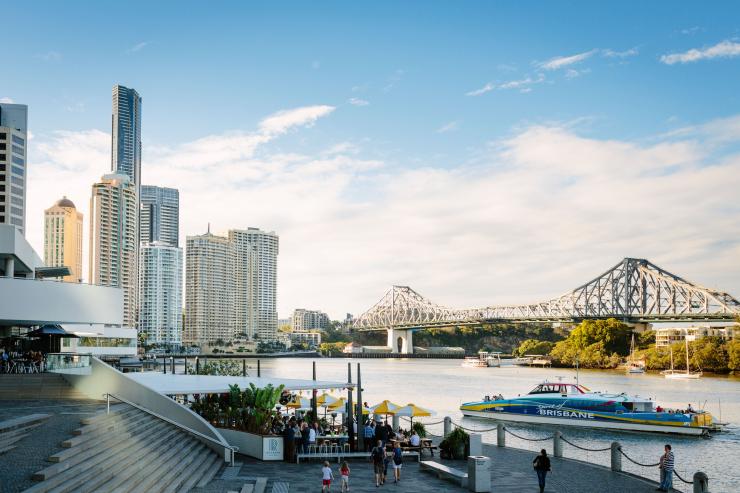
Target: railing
{"points": [[700, 480], [232, 449], [68, 363]]}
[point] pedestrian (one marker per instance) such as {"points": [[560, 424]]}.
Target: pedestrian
{"points": [[289, 441], [386, 461], [666, 470], [377, 455], [542, 466], [397, 461], [381, 433], [305, 434], [327, 476], [369, 435], [344, 473]]}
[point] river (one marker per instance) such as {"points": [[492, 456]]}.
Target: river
{"points": [[442, 385]]}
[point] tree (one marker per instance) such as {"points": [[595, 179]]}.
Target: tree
{"points": [[533, 346], [595, 344], [733, 355]]}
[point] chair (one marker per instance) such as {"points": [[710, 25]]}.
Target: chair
{"points": [[346, 448], [312, 449]]}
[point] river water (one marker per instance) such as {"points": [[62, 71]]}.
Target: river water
{"points": [[442, 385]]}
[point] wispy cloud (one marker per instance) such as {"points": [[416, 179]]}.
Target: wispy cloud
{"points": [[78, 107], [282, 121], [448, 127], [393, 80], [479, 92], [6, 100], [358, 102], [523, 85], [51, 56], [572, 73], [690, 31], [138, 47], [724, 49], [608, 53], [559, 62]]}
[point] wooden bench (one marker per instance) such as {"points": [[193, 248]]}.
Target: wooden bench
{"points": [[445, 472], [422, 448]]}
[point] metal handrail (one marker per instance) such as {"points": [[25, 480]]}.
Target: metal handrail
{"points": [[234, 449]]}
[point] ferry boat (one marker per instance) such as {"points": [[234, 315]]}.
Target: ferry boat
{"points": [[575, 405], [474, 362]]}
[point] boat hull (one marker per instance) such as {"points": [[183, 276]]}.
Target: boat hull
{"points": [[611, 425]]}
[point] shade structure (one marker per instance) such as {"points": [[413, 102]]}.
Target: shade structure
{"points": [[337, 406], [50, 330], [384, 407], [411, 411], [325, 400], [299, 404]]}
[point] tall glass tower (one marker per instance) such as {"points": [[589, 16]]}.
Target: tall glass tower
{"points": [[13, 164], [126, 134], [159, 217]]}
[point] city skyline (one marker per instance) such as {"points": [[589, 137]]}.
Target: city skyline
{"points": [[535, 161]]}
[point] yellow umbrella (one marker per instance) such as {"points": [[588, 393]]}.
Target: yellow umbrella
{"points": [[325, 400], [384, 407], [411, 411], [337, 405], [299, 403]]}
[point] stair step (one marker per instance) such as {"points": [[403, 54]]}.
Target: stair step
{"points": [[115, 409], [19, 431], [7, 449], [260, 485], [22, 422], [124, 423], [148, 474], [169, 468], [174, 479], [208, 476], [199, 471], [105, 420]]}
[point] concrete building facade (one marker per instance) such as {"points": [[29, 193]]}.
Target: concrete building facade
{"points": [[114, 240], [63, 238], [13, 164], [308, 320], [160, 293], [159, 218]]}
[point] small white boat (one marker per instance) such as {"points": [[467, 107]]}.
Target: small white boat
{"points": [[682, 375], [474, 362], [634, 367]]}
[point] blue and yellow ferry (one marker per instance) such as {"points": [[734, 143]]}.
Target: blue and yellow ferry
{"points": [[569, 404]]}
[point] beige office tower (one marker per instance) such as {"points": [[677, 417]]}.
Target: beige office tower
{"points": [[114, 239], [63, 238], [209, 289]]}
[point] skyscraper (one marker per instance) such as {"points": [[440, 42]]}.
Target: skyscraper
{"points": [[209, 289], [255, 272], [230, 286], [160, 293], [304, 320], [63, 238], [159, 218], [126, 134], [114, 239], [13, 164]]}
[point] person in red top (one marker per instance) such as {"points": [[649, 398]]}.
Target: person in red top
{"points": [[344, 473]]}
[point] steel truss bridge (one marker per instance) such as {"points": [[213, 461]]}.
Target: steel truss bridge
{"points": [[634, 290]]}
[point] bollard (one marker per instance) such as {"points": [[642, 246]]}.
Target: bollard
{"points": [[701, 482], [396, 422], [447, 426], [616, 457], [259, 370], [197, 366], [244, 367], [500, 435], [557, 444]]}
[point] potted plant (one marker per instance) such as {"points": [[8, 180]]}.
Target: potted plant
{"points": [[456, 445], [420, 429]]}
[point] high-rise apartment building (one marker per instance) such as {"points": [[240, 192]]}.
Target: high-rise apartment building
{"points": [[209, 289], [114, 239], [159, 218], [63, 238], [230, 286], [255, 271], [13, 164], [306, 320], [160, 293], [126, 134]]}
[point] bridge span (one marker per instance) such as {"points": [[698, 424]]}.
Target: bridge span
{"points": [[634, 290]]}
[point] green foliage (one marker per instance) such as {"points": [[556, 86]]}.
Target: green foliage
{"points": [[332, 348], [456, 445], [533, 346], [420, 429], [251, 410], [224, 367], [733, 355], [595, 344], [645, 340], [707, 354]]}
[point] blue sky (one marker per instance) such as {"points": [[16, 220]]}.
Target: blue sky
{"points": [[404, 94]]}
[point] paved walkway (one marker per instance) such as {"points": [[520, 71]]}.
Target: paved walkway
{"points": [[511, 472]]}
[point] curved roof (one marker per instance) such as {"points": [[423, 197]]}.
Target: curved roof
{"points": [[65, 202]]}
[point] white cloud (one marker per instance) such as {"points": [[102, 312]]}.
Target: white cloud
{"points": [[690, 31], [565, 61], [540, 212], [358, 102], [138, 47], [448, 127], [478, 92], [725, 49], [6, 100], [620, 54], [572, 73], [282, 121]]}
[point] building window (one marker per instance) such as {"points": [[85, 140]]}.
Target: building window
{"points": [[3, 135], [18, 150], [17, 191], [16, 211], [18, 160], [16, 200], [17, 170], [16, 180], [19, 140], [16, 221]]}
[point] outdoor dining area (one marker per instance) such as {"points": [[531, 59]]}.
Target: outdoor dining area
{"points": [[25, 352]]}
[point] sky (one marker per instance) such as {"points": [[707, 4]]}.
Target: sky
{"points": [[480, 152]]}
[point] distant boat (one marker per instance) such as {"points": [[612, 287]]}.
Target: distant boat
{"points": [[682, 375], [474, 362], [634, 366]]}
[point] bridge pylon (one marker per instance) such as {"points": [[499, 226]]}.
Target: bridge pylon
{"points": [[401, 341]]}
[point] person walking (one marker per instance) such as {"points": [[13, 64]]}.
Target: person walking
{"points": [[289, 442], [381, 433], [369, 435], [397, 461], [542, 466], [344, 473], [666, 469], [377, 454], [327, 475]]}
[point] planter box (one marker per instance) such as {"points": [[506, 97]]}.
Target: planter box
{"points": [[262, 447]]}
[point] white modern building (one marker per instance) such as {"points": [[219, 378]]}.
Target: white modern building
{"points": [[114, 239], [160, 293], [665, 336], [159, 217], [209, 289], [63, 238], [310, 339], [13, 164], [308, 320]]}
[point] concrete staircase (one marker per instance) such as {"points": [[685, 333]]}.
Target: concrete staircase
{"points": [[128, 450], [16, 429], [36, 386]]}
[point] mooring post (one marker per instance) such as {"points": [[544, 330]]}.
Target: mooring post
{"points": [[244, 367], [360, 420], [447, 426], [314, 404], [259, 369], [349, 412], [197, 365], [701, 482], [164, 364], [186, 365], [557, 444], [616, 457], [500, 435], [172, 358]]}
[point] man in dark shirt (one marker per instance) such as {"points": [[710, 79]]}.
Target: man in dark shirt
{"points": [[542, 466], [289, 441], [381, 433]]}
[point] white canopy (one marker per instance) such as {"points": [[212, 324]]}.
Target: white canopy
{"points": [[170, 384]]}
